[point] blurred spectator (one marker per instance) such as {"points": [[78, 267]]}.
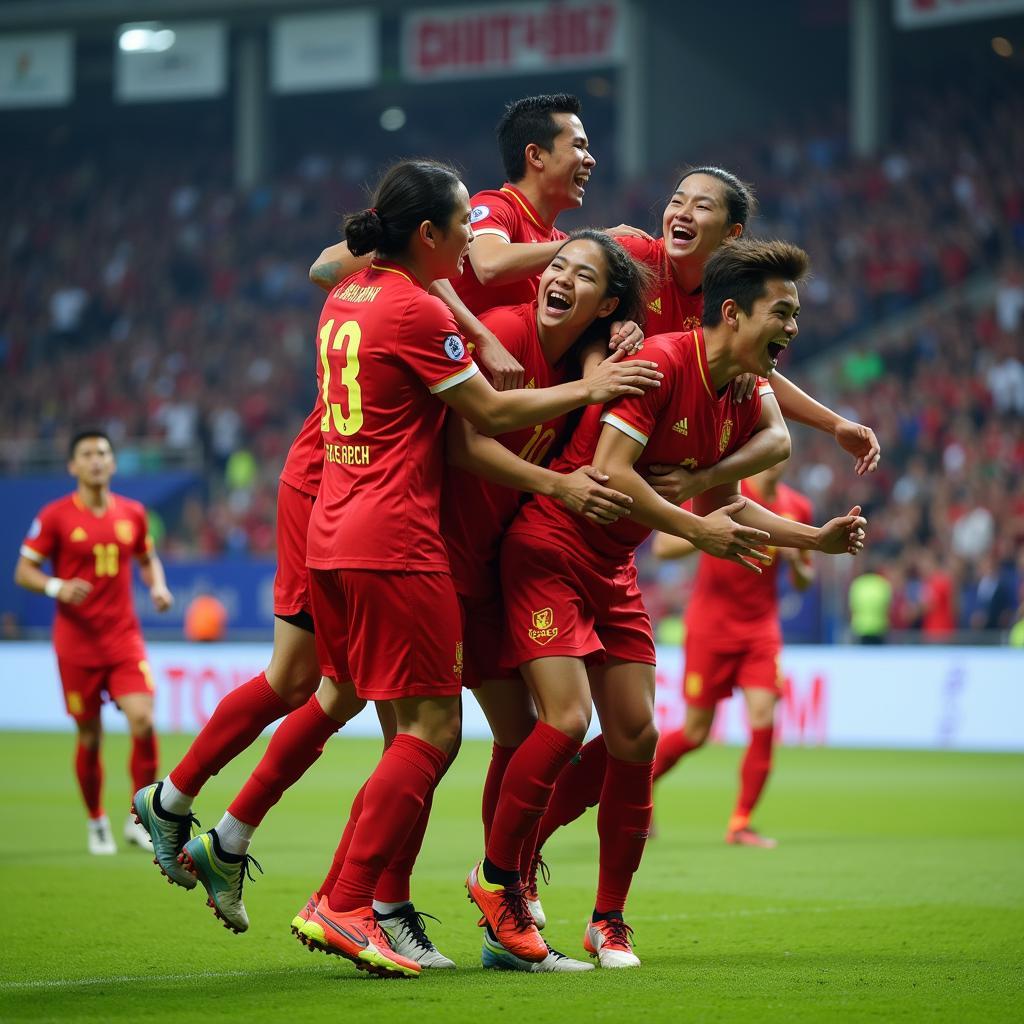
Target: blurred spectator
{"points": [[870, 600]]}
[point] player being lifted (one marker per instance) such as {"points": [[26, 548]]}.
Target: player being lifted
{"points": [[576, 625], [90, 538], [733, 639]]}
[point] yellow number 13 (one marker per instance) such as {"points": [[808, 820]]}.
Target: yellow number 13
{"points": [[348, 337]]}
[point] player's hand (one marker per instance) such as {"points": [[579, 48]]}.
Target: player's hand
{"points": [[161, 597], [675, 483], [506, 372], [612, 378], [843, 535], [627, 335], [861, 443], [74, 591], [582, 492], [743, 386], [722, 537], [627, 230]]}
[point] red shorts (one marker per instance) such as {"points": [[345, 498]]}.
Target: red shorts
{"points": [[87, 686], [483, 622], [394, 634], [557, 605], [711, 675], [291, 581]]}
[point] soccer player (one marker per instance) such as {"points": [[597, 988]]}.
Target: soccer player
{"points": [[388, 351], [90, 538], [576, 626], [733, 639]]}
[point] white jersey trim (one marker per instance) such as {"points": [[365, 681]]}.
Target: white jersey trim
{"points": [[628, 429], [491, 231], [455, 378], [32, 555]]}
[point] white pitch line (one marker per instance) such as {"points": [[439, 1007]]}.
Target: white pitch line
{"points": [[131, 979]]}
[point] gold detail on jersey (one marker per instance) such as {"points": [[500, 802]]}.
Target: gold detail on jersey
{"points": [[655, 306], [689, 463], [351, 333], [347, 454], [108, 559], [543, 631], [723, 441], [538, 446], [533, 382], [78, 534], [147, 675], [75, 703], [124, 530], [457, 667], [691, 323], [694, 684], [681, 427], [357, 293]]}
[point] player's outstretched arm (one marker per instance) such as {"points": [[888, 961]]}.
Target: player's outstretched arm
{"points": [[581, 491], [854, 438], [28, 575], [497, 412], [336, 263], [496, 261], [769, 445], [717, 534], [151, 569]]}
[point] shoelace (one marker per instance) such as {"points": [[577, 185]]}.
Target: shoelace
{"points": [[538, 864], [412, 921], [617, 932], [513, 907], [245, 873], [187, 829]]}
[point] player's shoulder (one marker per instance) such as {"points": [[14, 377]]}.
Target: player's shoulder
{"points": [[123, 505], [58, 507], [427, 309], [645, 250], [670, 349], [484, 204], [511, 323]]}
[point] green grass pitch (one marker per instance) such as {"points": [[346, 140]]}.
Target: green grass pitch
{"points": [[896, 894]]}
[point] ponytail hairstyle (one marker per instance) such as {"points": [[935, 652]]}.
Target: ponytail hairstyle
{"points": [[739, 195], [411, 192]]}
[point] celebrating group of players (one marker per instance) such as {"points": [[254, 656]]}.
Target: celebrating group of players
{"points": [[471, 354]]}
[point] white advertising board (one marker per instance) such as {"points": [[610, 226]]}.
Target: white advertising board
{"points": [[36, 70], [323, 51], [956, 698], [193, 67]]}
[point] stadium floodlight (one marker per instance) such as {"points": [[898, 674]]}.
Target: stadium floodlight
{"points": [[392, 119], [145, 37]]}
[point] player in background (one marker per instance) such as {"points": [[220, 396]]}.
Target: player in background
{"points": [[387, 349], [733, 639], [570, 591], [90, 538]]}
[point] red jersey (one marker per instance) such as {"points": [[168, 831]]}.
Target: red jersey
{"points": [[507, 213], [475, 512], [304, 463], [387, 347], [684, 422], [731, 607], [669, 308], [103, 629]]}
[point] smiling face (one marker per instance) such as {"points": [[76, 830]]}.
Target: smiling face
{"points": [[771, 325], [696, 219], [92, 462], [572, 290], [452, 240], [568, 165]]}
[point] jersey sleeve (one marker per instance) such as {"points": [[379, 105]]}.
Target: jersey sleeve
{"points": [[493, 214], [748, 414], [641, 249], [764, 387], [432, 346], [143, 538], [40, 542], [637, 415]]}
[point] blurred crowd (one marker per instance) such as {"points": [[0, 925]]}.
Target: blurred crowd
{"points": [[149, 296]]}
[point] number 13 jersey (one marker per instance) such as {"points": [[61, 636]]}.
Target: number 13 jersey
{"points": [[386, 349]]}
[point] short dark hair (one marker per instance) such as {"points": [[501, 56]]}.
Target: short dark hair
{"points": [[740, 268], [86, 435], [739, 195], [409, 193], [528, 122]]}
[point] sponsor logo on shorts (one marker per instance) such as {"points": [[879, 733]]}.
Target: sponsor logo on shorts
{"points": [[457, 667], [689, 463], [78, 534], [124, 531], [479, 213], [723, 441], [694, 684], [75, 703], [454, 347], [543, 631]]}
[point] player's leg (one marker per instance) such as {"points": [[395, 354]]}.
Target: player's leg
{"points": [[624, 696], [693, 734], [89, 772], [138, 710]]}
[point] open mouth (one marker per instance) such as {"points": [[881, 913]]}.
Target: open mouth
{"points": [[557, 302], [580, 181], [775, 349], [683, 234]]}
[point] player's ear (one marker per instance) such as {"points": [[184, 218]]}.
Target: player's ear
{"points": [[534, 156], [734, 231], [426, 233], [731, 313], [608, 306]]}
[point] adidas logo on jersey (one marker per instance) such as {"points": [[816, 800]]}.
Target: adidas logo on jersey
{"points": [[79, 534], [655, 306], [681, 427]]}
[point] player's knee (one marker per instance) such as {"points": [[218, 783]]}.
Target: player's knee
{"points": [[339, 702], [572, 721], [296, 687], [89, 736], [636, 743], [697, 732], [141, 726]]}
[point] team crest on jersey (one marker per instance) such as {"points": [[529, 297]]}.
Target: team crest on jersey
{"points": [[479, 213], [723, 441], [681, 427], [454, 347], [543, 631], [78, 534], [691, 323], [457, 667], [655, 306], [35, 529], [694, 684], [124, 531]]}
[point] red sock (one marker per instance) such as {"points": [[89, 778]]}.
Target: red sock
{"points": [[89, 769], [757, 763], [529, 781], [530, 848], [346, 841], [623, 822], [500, 757], [671, 747], [237, 720], [142, 763], [578, 788], [297, 744], [393, 797]]}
